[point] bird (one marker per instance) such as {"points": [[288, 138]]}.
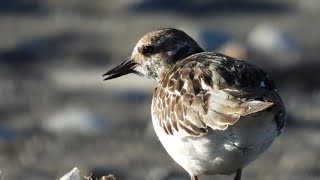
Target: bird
{"points": [[213, 114]]}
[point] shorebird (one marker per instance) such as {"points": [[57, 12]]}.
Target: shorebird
{"points": [[213, 114]]}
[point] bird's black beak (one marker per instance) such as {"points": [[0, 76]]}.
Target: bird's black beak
{"points": [[124, 68]]}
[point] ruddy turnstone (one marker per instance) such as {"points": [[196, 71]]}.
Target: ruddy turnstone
{"points": [[213, 114]]}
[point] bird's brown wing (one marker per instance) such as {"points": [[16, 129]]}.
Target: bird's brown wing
{"points": [[209, 90]]}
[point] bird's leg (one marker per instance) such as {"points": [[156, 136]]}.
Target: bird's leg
{"points": [[193, 177], [238, 174]]}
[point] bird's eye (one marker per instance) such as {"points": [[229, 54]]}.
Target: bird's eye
{"points": [[146, 50]]}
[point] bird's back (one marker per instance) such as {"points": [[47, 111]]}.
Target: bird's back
{"points": [[213, 91]]}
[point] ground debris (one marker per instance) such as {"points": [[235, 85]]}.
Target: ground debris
{"points": [[108, 177], [74, 174]]}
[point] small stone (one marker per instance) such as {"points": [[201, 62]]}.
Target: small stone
{"points": [[74, 174]]}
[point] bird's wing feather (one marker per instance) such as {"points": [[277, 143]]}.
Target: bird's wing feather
{"points": [[211, 91]]}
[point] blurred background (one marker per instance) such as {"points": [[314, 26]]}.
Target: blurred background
{"points": [[57, 113]]}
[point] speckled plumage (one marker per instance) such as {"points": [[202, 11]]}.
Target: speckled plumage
{"points": [[210, 90], [212, 113]]}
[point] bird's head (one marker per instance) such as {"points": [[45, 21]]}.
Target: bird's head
{"points": [[155, 53]]}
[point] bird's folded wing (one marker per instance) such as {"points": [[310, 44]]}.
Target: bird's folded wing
{"points": [[212, 92], [222, 109], [215, 109]]}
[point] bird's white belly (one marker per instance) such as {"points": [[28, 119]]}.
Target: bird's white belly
{"points": [[220, 152]]}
